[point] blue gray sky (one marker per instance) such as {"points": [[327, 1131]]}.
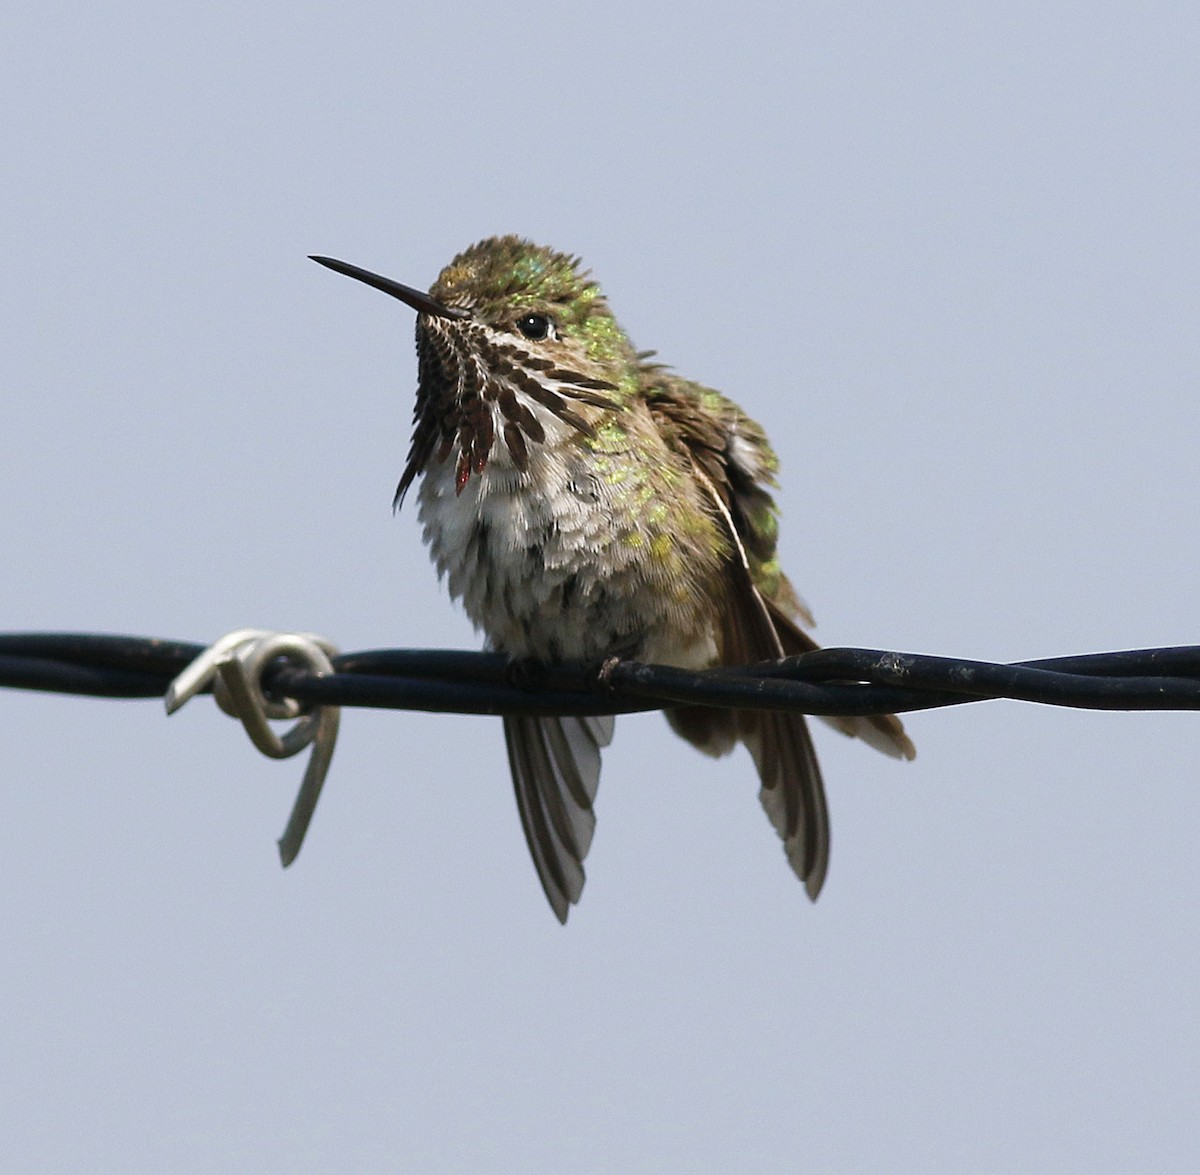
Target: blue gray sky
{"points": [[947, 255]]}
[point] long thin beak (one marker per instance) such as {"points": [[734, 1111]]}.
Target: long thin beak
{"points": [[421, 302]]}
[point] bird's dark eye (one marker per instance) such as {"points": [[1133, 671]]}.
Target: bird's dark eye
{"points": [[535, 326]]}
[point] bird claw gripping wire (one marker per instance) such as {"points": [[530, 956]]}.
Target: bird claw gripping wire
{"points": [[234, 667]]}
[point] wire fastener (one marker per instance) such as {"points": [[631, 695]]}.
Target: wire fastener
{"points": [[234, 667]]}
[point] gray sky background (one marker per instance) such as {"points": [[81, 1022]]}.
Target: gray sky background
{"points": [[947, 256]]}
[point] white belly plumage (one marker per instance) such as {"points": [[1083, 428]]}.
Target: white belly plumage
{"points": [[550, 563]]}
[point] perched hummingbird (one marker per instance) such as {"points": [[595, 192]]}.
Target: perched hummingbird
{"points": [[584, 502]]}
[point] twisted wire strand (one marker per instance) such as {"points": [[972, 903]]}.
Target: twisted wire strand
{"points": [[844, 682]]}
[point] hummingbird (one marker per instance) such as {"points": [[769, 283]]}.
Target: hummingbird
{"points": [[584, 502]]}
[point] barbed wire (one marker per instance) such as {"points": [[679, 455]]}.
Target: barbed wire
{"points": [[833, 682], [257, 676]]}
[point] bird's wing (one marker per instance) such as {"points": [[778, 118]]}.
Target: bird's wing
{"points": [[734, 452], [555, 769], [732, 461]]}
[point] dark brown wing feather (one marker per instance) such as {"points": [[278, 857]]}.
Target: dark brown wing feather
{"points": [[792, 792], [555, 769]]}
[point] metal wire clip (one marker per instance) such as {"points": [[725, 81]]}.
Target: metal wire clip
{"points": [[234, 667]]}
